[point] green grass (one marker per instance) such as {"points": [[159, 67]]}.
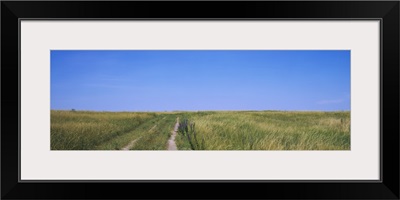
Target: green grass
{"points": [[270, 130], [156, 138], [221, 130], [95, 130], [136, 134]]}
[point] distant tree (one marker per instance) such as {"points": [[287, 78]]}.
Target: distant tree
{"points": [[73, 110]]}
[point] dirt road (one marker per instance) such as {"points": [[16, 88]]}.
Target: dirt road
{"points": [[171, 141]]}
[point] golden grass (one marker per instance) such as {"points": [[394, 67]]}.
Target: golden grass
{"points": [[221, 130]]}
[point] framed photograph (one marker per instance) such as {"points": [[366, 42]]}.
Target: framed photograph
{"points": [[225, 97]]}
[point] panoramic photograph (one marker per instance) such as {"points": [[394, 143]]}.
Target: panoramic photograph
{"points": [[184, 100]]}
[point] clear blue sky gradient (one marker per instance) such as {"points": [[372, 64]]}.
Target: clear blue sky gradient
{"points": [[168, 80]]}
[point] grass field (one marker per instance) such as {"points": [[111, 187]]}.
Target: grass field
{"points": [[214, 130]]}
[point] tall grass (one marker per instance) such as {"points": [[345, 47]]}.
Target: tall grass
{"points": [[79, 130], [136, 135], [188, 131], [271, 130], [213, 130]]}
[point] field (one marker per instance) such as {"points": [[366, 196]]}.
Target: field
{"points": [[208, 130]]}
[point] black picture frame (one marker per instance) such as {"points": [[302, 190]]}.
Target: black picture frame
{"points": [[386, 11]]}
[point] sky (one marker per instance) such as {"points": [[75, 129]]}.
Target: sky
{"points": [[196, 80]]}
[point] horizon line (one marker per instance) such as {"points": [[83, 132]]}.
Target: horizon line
{"points": [[205, 110]]}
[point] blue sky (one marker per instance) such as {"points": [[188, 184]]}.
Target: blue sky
{"points": [[167, 80]]}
